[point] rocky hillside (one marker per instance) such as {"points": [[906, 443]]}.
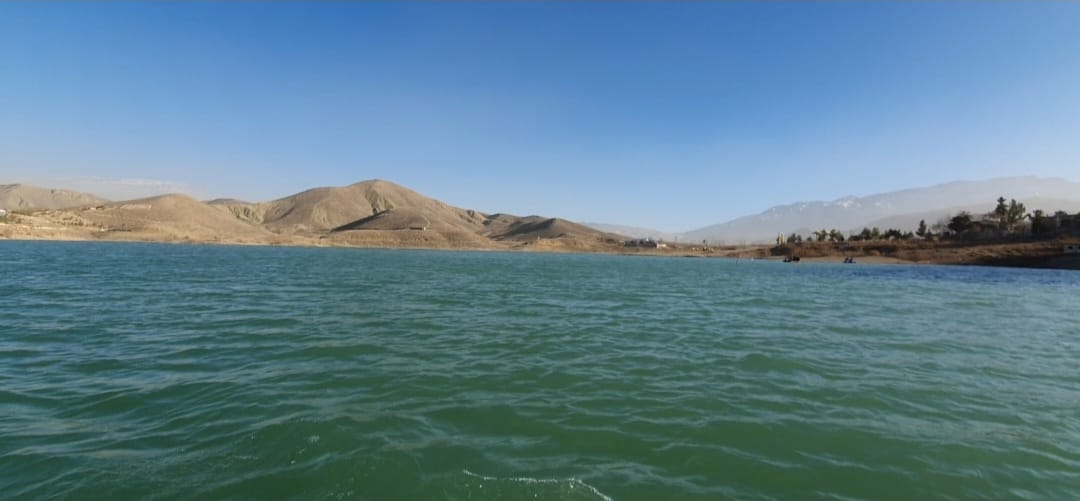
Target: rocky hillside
{"points": [[26, 197], [369, 213]]}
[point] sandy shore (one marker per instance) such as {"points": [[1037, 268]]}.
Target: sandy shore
{"points": [[1036, 254]]}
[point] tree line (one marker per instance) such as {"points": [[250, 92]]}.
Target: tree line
{"points": [[1007, 218], [1011, 218]]}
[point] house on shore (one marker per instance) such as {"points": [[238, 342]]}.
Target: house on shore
{"points": [[647, 243], [1066, 224], [985, 229]]}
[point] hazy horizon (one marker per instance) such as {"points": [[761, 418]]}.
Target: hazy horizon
{"points": [[634, 113]]}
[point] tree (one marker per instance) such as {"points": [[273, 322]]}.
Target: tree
{"points": [[835, 235], [1009, 214], [922, 228], [1002, 210], [866, 234], [960, 223], [1015, 214], [893, 234], [1039, 222]]}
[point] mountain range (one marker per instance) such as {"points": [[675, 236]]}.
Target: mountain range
{"points": [[369, 213], [381, 213], [898, 209]]}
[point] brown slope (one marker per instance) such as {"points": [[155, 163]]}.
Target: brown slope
{"points": [[419, 239], [173, 215], [402, 218], [510, 227], [26, 197], [345, 208], [370, 213], [413, 227]]}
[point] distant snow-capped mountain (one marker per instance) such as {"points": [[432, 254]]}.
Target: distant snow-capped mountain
{"points": [[851, 212]]}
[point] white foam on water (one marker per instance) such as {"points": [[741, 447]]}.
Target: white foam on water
{"points": [[529, 480]]}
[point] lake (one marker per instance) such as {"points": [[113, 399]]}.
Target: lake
{"points": [[152, 371]]}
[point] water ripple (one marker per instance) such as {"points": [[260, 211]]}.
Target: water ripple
{"points": [[168, 371]]}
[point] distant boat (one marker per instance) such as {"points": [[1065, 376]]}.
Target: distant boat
{"points": [[791, 259]]}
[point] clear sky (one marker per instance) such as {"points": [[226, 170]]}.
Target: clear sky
{"points": [[672, 116]]}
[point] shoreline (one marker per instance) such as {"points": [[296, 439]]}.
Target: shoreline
{"points": [[990, 254]]}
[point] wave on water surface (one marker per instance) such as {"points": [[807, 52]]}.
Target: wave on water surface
{"points": [[512, 488], [142, 371]]}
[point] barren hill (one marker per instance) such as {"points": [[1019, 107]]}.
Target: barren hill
{"points": [[510, 227], [398, 209], [166, 217], [378, 212], [372, 213], [26, 197], [412, 226], [322, 209]]}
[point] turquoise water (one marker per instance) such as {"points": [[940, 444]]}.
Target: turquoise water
{"points": [[171, 371]]}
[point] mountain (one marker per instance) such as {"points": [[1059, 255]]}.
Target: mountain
{"points": [[171, 217], [381, 213], [911, 221], [26, 197], [368, 213], [329, 208], [851, 212], [510, 227]]}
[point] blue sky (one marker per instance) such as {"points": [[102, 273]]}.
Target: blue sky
{"points": [[669, 115]]}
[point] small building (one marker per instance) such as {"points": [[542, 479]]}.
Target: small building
{"points": [[1066, 224], [647, 243], [3, 213], [985, 229]]}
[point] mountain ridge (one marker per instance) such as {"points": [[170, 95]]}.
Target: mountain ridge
{"points": [[851, 213], [367, 213], [20, 196], [338, 212]]}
